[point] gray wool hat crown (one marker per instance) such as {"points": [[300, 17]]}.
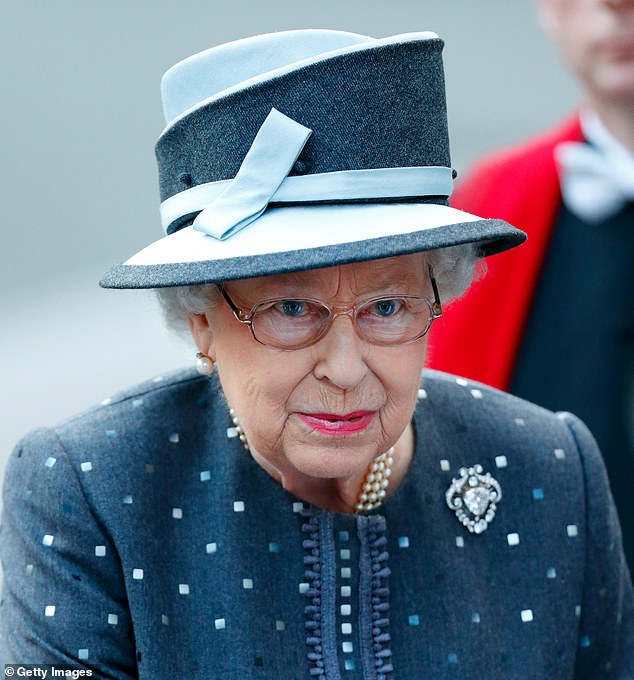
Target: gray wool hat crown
{"points": [[304, 149]]}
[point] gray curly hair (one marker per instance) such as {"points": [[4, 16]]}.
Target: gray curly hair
{"points": [[454, 269]]}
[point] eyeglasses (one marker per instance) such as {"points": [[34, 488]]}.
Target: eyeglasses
{"points": [[294, 323]]}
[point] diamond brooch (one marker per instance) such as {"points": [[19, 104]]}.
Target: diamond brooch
{"points": [[474, 497]]}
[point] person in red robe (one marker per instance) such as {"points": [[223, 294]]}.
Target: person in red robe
{"points": [[553, 321]]}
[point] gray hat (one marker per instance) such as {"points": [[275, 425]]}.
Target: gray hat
{"points": [[304, 149]]}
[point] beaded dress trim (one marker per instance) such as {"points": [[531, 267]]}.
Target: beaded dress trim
{"points": [[374, 597], [320, 614], [320, 560]]}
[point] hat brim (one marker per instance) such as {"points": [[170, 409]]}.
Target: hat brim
{"points": [[294, 238]]}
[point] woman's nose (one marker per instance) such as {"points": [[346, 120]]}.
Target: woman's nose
{"points": [[340, 357]]}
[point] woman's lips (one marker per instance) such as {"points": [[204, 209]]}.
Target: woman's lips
{"points": [[338, 425]]}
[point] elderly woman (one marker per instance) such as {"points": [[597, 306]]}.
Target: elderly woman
{"points": [[301, 506]]}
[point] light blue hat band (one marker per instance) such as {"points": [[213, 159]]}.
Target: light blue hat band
{"points": [[342, 186]]}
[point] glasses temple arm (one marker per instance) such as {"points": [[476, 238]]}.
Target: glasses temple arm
{"points": [[237, 312], [437, 306]]}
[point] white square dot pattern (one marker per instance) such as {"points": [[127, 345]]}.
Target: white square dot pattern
{"points": [[177, 513], [113, 619], [238, 506], [137, 574], [513, 539], [183, 589], [501, 461], [49, 610], [247, 583], [444, 465], [220, 624], [527, 615], [100, 550], [572, 530]]}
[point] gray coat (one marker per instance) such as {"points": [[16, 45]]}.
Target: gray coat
{"points": [[139, 540]]}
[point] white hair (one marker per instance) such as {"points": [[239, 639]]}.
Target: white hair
{"points": [[454, 269]]}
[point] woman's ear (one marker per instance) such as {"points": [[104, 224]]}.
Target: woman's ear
{"points": [[200, 328]]}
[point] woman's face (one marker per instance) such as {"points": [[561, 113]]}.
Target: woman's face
{"points": [[324, 411]]}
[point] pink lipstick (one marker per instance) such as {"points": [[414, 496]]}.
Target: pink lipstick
{"points": [[338, 425]]}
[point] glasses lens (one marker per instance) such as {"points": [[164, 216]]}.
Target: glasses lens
{"points": [[394, 320], [289, 323]]}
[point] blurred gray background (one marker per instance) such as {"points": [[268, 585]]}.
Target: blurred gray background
{"points": [[78, 192]]}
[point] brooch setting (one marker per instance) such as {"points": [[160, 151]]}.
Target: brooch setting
{"points": [[474, 496]]}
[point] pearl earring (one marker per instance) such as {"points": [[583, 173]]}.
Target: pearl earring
{"points": [[204, 364]]}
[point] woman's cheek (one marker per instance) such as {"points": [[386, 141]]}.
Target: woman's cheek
{"points": [[264, 404]]}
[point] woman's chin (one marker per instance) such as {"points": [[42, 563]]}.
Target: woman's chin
{"points": [[340, 462]]}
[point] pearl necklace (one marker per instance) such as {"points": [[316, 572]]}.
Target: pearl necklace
{"points": [[239, 432], [373, 488]]}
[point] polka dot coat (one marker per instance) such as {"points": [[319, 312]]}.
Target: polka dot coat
{"points": [[140, 540]]}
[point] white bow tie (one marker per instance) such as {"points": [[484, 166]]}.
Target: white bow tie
{"points": [[594, 184]]}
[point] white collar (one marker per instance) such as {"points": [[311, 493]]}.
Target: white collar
{"points": [[599, 136]]}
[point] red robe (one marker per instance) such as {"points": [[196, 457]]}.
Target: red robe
{"points": [[479, 335]]}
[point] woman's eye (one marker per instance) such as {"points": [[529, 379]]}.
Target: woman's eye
{"points": [[386, 307], [292, 307]]}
